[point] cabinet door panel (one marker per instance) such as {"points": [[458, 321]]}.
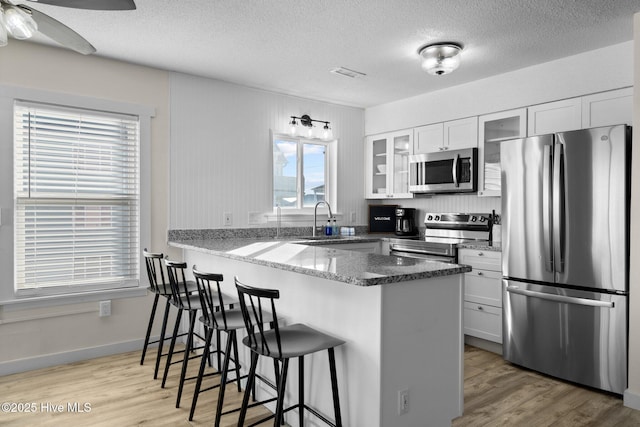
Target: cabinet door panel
{"points": [[559, 116], [428, 139], [483, 287], [483, 321], [460, 134], [608, 108], [482, 260], [493, 129]]}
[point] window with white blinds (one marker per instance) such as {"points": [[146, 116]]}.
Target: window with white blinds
{"points": [[77, 199]]}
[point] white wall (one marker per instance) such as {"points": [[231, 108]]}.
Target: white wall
{"points": [[632, 395], [221, 150], [35, 336]]}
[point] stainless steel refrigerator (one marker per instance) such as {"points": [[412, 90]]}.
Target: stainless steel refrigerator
{"points": [[565, 228]]}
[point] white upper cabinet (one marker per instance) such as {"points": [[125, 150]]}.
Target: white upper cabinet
{"points": [[608, 108], [461, 133], [558, 116], [428, 139], [613, 107], [387, 165], [452, 135], [495, 128]]}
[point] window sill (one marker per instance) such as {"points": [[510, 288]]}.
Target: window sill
{"points": [[55, 300]]}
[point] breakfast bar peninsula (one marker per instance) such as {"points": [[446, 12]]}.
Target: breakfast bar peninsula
{"points": [[401, 318]]}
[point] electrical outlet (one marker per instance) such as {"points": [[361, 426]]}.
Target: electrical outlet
{"points": [[403, 401], [105, 308], [227, 218], [352, 219]]}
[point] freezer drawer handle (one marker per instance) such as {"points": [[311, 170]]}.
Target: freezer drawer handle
{"points": [[560, 298]]}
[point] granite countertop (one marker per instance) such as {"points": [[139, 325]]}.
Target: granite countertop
{"points": [[494, 246], [306, 257]]}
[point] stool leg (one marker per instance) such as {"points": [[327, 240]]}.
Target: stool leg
{"points": [[203, 363], [301, 390], [281, 388], [171, 347], [185, 360], [247, 392], [151, 318], [231, 336], [162, 337], [236, 360], [334, 387]]}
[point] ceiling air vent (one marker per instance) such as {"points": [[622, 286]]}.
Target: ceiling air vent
{"points": [[347, 72]]}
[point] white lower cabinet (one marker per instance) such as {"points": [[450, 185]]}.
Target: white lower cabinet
{"points": [[482, 294]]}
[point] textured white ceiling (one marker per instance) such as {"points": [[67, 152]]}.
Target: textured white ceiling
{"points": [[289, 46]]}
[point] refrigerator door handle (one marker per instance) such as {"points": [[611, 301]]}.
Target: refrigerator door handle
{"points": [[546, 208], [560, 298], [558, 208], [454, 171]]}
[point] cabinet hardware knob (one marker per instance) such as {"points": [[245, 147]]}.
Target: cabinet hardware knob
{"points": [[480, 308], [480, 254], [479, 273]]}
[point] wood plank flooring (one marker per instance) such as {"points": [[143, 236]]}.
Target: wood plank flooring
{"points": [[497, 393], [123, 393]]}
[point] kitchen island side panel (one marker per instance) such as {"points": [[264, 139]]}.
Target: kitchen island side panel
{"points": [[349, 312], [423, 351]]}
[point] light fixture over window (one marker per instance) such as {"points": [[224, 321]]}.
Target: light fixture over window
{"points": [[440, 58], [307, 122]]}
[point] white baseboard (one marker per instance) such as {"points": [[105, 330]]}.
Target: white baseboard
{"points": [[632, 399], [48, 360], [483, 344]]}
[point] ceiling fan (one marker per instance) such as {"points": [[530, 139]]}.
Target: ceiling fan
{"points": [[21, 21]]}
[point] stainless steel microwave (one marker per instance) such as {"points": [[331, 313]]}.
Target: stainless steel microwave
{"points": [[453, 171]]}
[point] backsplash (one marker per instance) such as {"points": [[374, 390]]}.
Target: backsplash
{"points": [[245, 233], [467, 203]]}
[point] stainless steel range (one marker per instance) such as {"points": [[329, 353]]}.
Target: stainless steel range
{"points": [[443, 233]]}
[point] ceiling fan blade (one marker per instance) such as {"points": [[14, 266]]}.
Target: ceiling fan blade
{"points": [[92, 4], [59, 32]]}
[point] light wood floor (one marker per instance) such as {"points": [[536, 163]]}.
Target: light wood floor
{"points": [[123, 393], [497, 393]]}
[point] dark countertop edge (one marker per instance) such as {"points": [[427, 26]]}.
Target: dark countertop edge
{"points": [[458, 269]]}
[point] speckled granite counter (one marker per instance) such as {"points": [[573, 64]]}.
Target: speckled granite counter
{"points": [[494, 247], [307, 257]]}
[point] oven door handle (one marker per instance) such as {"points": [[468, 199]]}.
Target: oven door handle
{"points": [[394, 248]]}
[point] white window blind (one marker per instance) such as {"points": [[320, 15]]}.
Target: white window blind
{"points": [[77, 198]]}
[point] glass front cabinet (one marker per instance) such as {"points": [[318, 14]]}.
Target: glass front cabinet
{"points": [[387, 165], [493, 129]]}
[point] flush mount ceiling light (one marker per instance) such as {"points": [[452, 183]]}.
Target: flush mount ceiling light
{"points": [[307, 122], [440, 58]]}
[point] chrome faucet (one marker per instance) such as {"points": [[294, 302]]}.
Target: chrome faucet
{"points": [[315, 214]]}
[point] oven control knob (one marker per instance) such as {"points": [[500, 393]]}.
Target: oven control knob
{"points": [[482, 219], [473, 219], [437, 218], [429, 218]]}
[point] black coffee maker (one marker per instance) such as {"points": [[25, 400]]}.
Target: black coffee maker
{"points": [[405, 222]]}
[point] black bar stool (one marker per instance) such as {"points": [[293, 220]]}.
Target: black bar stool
{"points": [[216, 317], [281, 344], [190, 303], [159, 285]]}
